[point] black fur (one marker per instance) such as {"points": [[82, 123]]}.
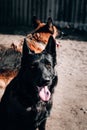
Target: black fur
{"points": [[21, 107]]}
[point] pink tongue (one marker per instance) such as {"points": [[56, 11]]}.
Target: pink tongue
{"points": [[44, 93]]}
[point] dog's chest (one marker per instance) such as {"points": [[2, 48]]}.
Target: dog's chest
{"points": [[40, 107], [40, 111]]}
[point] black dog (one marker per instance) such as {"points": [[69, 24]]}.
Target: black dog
{"points": [[27, 100]]}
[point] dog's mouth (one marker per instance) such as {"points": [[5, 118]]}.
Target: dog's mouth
{"points": [[44, 93]]}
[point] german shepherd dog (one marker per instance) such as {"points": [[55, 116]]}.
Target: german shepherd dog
{"points": [[27, 100], [38, 38]]}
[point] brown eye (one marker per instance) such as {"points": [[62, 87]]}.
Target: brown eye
{"points": [[32, 66], [48, 66]]}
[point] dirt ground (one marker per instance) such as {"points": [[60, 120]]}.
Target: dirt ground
{"points": [[69, 110]]}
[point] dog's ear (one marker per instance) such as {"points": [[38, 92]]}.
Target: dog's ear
{"points": [[35, 21], [50, 25], [49, 21], [26, 50], [51, 48], [25, 53]]}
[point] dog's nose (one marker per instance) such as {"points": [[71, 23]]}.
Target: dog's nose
{"points": [[45, 80]]}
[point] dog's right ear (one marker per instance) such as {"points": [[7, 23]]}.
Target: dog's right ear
{"points": [[35, 21], [25, 52], [25, 48]]}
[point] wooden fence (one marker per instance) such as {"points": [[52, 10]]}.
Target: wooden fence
{"points": [[63, 12]]}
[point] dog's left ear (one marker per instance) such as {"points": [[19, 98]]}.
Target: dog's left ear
{"points": [[51, 48]]}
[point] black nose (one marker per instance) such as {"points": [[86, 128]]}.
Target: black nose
{"points": [[45, 80]]}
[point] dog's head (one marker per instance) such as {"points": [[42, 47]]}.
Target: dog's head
{"points": [[38, 70], [47, 27]]}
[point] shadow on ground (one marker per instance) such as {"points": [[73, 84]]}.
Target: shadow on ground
{"points": [[66, 33]]}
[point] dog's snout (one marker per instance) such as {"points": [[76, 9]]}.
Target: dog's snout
{"points": [[44, 76], [45, 80]]}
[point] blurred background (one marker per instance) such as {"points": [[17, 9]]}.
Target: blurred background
{"points": [[65, 13]]}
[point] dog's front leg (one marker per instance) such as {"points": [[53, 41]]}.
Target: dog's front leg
{"points": [[42, 125]]}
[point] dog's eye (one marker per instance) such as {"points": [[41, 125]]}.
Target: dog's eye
{"points": [[48, 65], [33, 66]]}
